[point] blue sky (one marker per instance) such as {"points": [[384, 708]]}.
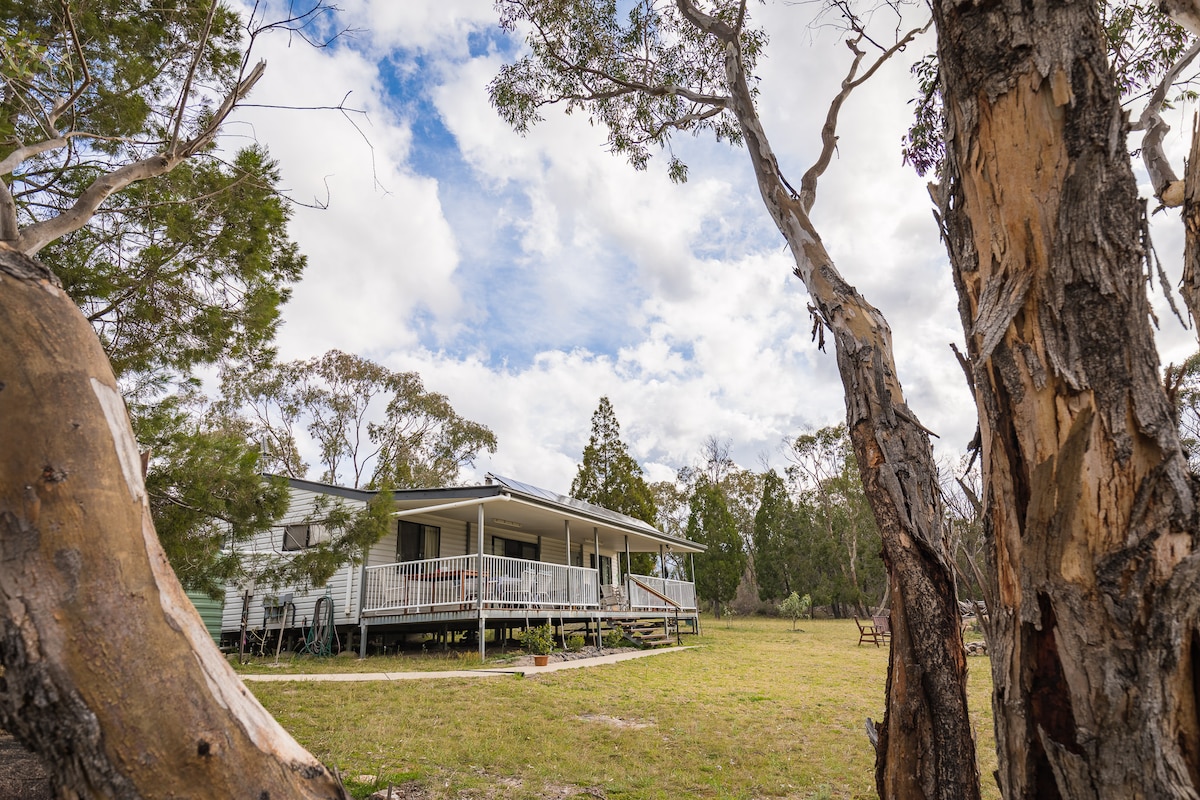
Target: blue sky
{"points": [[525, 277]]}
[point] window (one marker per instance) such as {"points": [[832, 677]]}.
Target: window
{"points": [[295, 537], [515, 548], [415, 542], [606, 570], [298, 537]]}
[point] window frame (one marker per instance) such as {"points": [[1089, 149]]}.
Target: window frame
{"points": [[424, 535], [519, 545]]}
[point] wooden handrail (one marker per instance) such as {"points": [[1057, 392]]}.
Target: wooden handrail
{"points": [[654, 591]]}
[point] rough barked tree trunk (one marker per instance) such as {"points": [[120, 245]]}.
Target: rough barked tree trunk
{"points": [[926, 748], [1088, 506], [109, 673], [1189, 284]]}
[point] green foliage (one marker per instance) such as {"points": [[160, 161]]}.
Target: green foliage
{"points": [[775, 541], [922, 146], [136, 53], [1143, 43], [538, 640], [1183, 385], [575, 642], [179, 272], [640, 71], [795, 607], [422, 440], [838, 543], [205, 492], [352, 532], [719, 568], [611, 478], [613, 638]]}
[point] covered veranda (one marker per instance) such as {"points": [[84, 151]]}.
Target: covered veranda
{"points": [[482, 590]]}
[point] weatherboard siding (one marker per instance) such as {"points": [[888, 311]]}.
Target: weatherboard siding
{"points": [[303, 504]]}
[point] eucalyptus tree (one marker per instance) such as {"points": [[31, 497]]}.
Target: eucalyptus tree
{"points": [[97, 639], [671, 500], [1089, 508], [372, 427], [611, 478], [824, 474], [655, 68]]}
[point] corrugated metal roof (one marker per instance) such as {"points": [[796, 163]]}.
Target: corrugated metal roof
{"points": [[579, 505], [496, 484]]}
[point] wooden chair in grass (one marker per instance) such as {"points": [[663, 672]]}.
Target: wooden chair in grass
{"points": [[868, 632], [883, 626]]}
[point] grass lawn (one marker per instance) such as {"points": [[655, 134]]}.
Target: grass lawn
{"points": [[757, 711]]}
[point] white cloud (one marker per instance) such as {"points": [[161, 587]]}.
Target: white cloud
{"points": [[534, 274], [381, 251]]}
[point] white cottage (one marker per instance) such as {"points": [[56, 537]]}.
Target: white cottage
{"points": [[463, 560]]}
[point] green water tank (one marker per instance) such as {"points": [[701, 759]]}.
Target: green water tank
{"points": [[210, 612]]}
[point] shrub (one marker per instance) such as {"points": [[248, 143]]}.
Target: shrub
{"points": [[575, 642], [614, 638], [538, 640]]}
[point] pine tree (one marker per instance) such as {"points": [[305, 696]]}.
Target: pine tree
{"points": [[612, 479], [719, 569], [774, 540]]}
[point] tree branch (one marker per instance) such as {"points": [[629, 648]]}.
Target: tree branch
{"points": [[38, 235], [52, 117], [1184, 12], [186, 89], [1167, 187], [808, 183], [709, 24]]}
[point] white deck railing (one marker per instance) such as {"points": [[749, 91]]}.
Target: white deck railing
{"points": [[413, 586], [682, 593]]}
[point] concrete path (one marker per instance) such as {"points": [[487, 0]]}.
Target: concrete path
{"points": [[492, 672]]}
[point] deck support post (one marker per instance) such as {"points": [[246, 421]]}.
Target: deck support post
{"points": [[599, 575], [570, 594], [692, 575], [628, 566], [362, 640], [479, 581]]}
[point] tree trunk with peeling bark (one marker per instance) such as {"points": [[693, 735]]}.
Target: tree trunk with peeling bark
{"points": [[1089, 510], [1189, 284], [109, 672], [926, 748]]}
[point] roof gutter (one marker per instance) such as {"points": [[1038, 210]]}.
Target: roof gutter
{"points": [[413, 512]]}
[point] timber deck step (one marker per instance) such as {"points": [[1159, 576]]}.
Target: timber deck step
{"points": [[647, 633]]}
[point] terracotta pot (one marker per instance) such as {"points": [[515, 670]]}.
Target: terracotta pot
{"points": [[541, 661]]}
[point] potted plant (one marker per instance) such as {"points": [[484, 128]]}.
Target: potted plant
{"points": [[538, 640]]}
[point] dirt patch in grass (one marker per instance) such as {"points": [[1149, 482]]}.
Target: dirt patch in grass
{"points": [[499, 787], [616, 722]]}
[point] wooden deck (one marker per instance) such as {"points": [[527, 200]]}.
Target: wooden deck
{"points": [[475, 593]]}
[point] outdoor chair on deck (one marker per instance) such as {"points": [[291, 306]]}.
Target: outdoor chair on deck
{"points": [[869, 632], [612, 597], [528, 586]]}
